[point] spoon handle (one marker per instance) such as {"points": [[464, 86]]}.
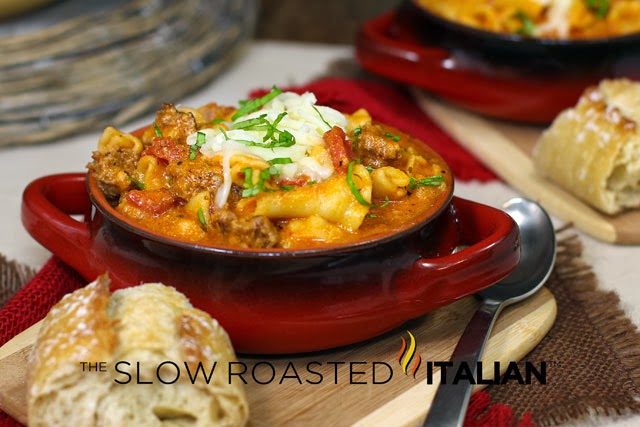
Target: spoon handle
{"points": [[450, 403]]}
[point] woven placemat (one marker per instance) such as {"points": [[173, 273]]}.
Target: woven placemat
{"points": [[592, 351], [13, 275]]}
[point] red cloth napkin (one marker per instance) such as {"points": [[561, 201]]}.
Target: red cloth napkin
{"points": [[32, 302], [388, 104], [483, 413]]}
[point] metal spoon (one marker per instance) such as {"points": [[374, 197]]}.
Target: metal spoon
{"points": [[537, 256]]}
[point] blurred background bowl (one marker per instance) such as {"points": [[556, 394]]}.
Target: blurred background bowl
{"points": [[499, 75]]}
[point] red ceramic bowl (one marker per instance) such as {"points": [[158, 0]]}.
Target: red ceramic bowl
{"points": [[292, 302], [277, 300], [514, 78]]}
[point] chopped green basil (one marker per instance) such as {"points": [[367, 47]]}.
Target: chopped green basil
{"points": [[396, 138], [599, 7], [528, 27], [248, 177], [138, 184], [276, 122], [357, 131], [272, 128], [352, 186], [430, 181], [201, 139], [287, 187], [249, 106], [248, 183], [285, 139], [241, 141], [369, 169], [280, 161], [372, 216], [321, 118], [156, 129], [275, 136], [253, 190], [251, 123], [266, 174], [202, 219], [385, 203]]}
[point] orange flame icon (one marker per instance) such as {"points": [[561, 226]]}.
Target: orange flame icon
{"points": [[406, 354]]}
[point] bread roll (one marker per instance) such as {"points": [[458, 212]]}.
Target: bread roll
{"points": [[593, 149], [150, 324]]}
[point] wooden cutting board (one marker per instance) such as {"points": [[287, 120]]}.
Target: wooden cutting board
{"points": [[506, 148], [403, 400]]}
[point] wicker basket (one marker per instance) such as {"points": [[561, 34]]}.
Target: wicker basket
{"points": [[113, 65]]}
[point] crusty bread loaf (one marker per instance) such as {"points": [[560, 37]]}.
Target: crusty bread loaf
{"points": [[593, 149], [149, 324]]}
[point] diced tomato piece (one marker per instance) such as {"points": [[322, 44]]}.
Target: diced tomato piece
{"points": [[348, 145], [167, 150], [336, 140], [295, 182], [155, 202]]}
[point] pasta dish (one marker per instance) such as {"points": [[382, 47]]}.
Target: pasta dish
{"points": [[277, 172], [551, 19]]}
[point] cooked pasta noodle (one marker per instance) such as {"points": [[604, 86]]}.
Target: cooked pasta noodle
{"points": [[112, 140]]}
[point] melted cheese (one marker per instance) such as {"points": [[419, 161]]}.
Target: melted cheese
{"points": [[302, 121], [557, 23], [223, 192]]}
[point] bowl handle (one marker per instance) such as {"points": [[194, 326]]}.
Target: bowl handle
{"points": [[493, 251], [378, 50], [47, 204]]}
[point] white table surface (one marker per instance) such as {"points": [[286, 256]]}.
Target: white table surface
{"points": [[265, 64]]}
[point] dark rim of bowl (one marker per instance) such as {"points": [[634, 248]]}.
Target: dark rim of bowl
{"points": [[516, 39], [113, 216]]}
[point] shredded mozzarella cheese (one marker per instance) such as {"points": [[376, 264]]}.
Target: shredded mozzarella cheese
{"points": [[303, 120], [223, 192]]}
